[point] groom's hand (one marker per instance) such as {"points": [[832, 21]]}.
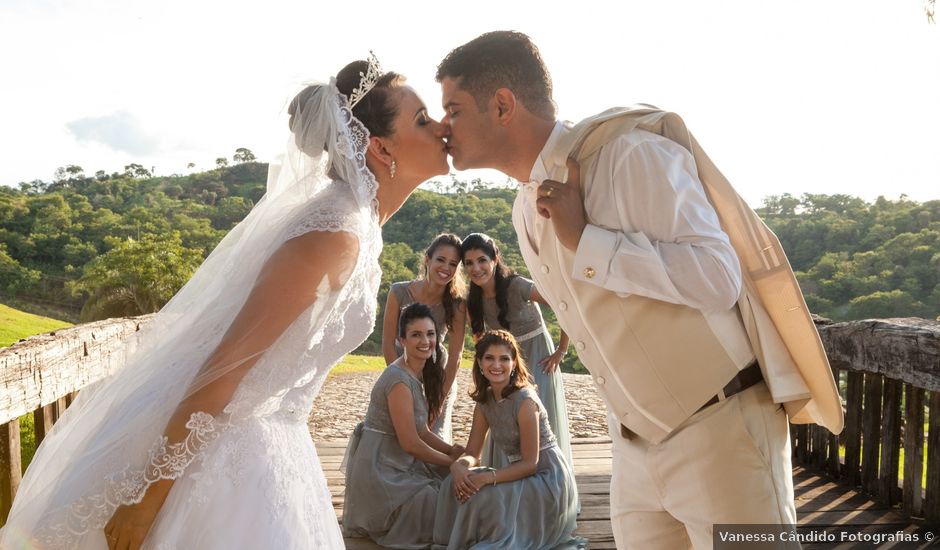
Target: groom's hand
{"points": [[563, 203]]}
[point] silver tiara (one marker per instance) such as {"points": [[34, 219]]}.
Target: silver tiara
{"points": [[367, 81]]}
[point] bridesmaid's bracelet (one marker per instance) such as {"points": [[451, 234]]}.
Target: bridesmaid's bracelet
{"points": [[494, 476]]}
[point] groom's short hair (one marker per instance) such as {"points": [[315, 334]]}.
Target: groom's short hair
{"points": [[501, 59]]}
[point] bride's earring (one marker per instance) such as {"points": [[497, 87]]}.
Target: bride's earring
{"points": [[434, 356], [391, 168]]}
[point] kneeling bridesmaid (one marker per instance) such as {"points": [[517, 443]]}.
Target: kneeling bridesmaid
{"points": [[529, 504], [394, 463]]}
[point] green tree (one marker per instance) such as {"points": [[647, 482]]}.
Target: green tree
{"points": [[881, 304], [13, 276], [136, 171], [135, 277], [243, 155]]}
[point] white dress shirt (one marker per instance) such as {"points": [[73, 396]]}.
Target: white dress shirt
{"points": [[651, 231]]}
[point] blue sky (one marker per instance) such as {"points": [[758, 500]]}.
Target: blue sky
{"points": [[787, 97]]}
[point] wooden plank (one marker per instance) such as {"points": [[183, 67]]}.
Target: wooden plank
{"points": [[820, 443], [597, 530], [890, 443], [834, 465], [802, 444], [43, 417], [820, 502], [902, 349], [853, 427], [913, 449], [871, 432], [814, 492], [855, 517], [932, 505], [59, 407], [11, 467], [43, 368]]}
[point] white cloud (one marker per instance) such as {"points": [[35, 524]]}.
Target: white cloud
{"points": [[121, 131]]}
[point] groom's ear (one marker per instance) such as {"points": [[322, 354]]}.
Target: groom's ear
{"points": [[378, 149], [505, 105]]}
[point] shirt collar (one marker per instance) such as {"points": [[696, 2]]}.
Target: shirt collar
{"points": [[545, 161]]}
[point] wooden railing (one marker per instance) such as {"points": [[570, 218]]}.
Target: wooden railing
{"points": [[40, 376], [889, 369]]}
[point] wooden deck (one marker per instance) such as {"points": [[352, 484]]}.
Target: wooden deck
{"points": [[819, 502]]}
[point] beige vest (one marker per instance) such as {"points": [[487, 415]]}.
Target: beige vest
{"points": [[656, 363]]}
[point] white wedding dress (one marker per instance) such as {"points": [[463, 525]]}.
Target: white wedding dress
{"points": [[260, 484], [248, 477]]}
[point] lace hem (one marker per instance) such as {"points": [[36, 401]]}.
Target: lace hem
{"points": [[127, 487]]}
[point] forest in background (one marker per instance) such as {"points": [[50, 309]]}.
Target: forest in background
{"points": [[83, 247]]}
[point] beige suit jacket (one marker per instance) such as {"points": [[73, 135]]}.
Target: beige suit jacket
{"points": [[774, 312]]}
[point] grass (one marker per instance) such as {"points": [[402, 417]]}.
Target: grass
{"points": [[370, 363], [358, 363], [27, 439], [16, 324]]}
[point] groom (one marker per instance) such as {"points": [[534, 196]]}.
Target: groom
{"points": [[694, 356]]}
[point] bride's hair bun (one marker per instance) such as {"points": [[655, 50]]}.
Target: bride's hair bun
{"points": [[378, 108]]}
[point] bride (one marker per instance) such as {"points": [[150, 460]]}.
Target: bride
{"points": [[200, 441]]}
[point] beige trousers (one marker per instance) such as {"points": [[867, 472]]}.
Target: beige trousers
{"points": [[729, 463]]}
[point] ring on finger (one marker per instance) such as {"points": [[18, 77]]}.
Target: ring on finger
{"points": [[549, 192]]}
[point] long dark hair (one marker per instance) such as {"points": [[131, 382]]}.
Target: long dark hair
{"points": [[502, 274], [433, 372], [520, 377], [453, 292]]}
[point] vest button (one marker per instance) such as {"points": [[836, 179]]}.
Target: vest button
{"points": [[545, 269], [563, 306], [589, 272], [600, 380], [580, 345]]}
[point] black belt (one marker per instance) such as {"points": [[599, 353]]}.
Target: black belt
{"points": [[745, 378]]}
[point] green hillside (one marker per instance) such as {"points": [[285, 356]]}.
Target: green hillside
{"points": [[16, 324]]}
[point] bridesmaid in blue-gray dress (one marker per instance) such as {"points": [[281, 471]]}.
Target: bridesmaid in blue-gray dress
{"points": [[502, 299], [440, 287], [531, 504], [394, 464]]}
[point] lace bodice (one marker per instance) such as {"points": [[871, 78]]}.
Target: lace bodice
{"points": [[502, 417], [287, 378], [377, 416]]}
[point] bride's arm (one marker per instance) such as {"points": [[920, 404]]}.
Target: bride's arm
{"points": [[289, 283]]}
